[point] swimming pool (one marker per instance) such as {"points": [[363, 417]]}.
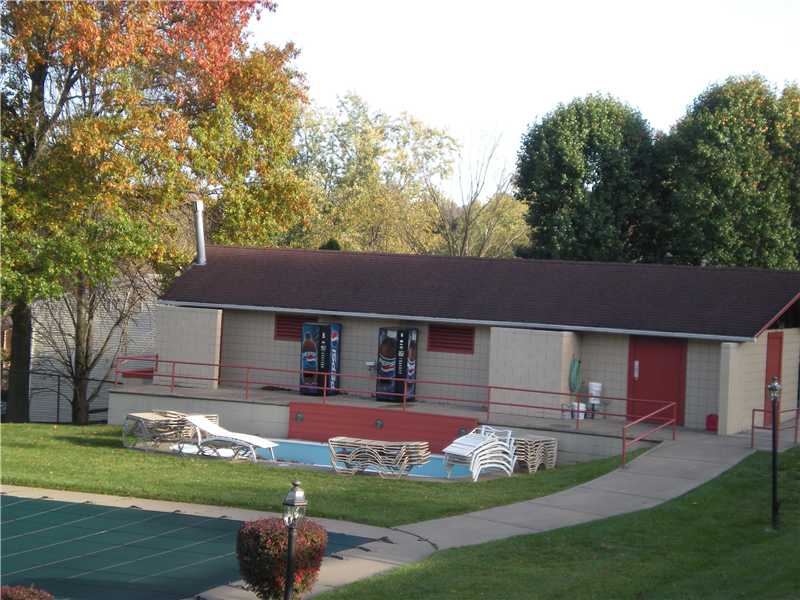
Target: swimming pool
{"points": [[318, 455]]}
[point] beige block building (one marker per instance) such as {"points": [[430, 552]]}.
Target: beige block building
{"points": [[504, 332], [724, 379]]}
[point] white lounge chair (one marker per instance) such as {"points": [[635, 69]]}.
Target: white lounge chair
{"points": [[482, 449], [209, 439]]}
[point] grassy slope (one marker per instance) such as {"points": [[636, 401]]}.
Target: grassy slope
{"points": [[715, 542], [92, 459]]}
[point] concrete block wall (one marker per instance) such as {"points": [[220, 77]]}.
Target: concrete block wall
{"points": [[451, 366], [742, 368], [579, 447], [570, 348], [248, 339], [604, 358], [743, 379], [188, 335], [702, 382], [267, 420], [532, 359], [789, 367]]}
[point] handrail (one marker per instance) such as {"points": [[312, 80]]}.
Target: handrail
{"points": [[673, 421], [779, 427], [120, 361], [167, 370]]}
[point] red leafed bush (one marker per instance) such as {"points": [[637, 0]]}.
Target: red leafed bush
{"points": [[20, 592], [261, 549]]}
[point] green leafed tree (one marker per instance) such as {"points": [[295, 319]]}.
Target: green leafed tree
{"points": [[730, 177], [242, 151], [788, 137], [368, 172], [583, 171], [115, 114]]}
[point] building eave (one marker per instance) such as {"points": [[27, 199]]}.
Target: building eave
{"points": [[473, 322]]}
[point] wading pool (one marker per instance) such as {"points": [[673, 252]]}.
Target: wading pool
{"points": [[318, 455]]}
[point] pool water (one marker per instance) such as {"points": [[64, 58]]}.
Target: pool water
{"points": [[318, 455]]}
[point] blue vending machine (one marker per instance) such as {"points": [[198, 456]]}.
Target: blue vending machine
{"points": [[397, 365], [320, 355]]}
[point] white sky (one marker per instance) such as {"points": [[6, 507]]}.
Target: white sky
{"points": [[483, 70]]}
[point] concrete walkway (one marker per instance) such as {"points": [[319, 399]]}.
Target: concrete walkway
{"points": [[667, 471]]}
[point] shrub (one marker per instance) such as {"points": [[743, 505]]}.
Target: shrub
{"points": [[261, 549], [20, 592], [331, 244]]}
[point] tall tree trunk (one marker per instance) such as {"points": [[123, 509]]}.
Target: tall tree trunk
{"points": [[80, 372], [19, 373], [80, 402]]}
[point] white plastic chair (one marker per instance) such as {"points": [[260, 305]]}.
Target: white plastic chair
{"points": [[482, 449], [209, 439]]}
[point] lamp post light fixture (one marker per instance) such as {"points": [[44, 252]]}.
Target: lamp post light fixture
{"points": [[774, 395], [294, 509]]}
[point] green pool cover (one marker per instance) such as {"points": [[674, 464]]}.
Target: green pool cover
{"points": [[91, 552]]}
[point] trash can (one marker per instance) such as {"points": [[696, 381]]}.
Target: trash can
{"points": [[712, 422]]}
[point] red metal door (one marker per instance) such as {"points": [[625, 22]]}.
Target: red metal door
{"points": [[656, 371], [774, 359]]}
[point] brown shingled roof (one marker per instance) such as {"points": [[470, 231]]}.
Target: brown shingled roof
{"points": [[697, 301]]}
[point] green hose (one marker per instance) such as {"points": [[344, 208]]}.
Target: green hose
{"points": [[574, 375]]}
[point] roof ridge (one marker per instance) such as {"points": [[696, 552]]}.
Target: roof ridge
{"points": [[717, 268]]}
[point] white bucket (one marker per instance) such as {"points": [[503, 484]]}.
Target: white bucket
{"points": [[578, 410]]}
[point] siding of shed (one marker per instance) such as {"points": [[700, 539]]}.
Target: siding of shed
{"points": [[48, 318]]}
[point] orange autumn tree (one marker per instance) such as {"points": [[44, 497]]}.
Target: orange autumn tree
{"points": [[113, 114]]}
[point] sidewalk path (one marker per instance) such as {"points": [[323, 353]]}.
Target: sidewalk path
{"points": [[667, 471]]}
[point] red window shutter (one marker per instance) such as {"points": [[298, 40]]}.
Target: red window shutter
{"points": [[444, 338], [289, 327]]}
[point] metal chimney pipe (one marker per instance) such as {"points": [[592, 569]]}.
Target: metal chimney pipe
{"points": [[198, 227]]}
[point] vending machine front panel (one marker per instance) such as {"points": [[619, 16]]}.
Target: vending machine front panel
{"points": [[309, 357], [320, 355], [396, 365]]}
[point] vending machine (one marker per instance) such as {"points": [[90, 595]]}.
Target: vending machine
{"points": [[320, 355], [396, 365]]}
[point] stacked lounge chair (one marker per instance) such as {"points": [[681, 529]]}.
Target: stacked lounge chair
{"points": [[389, 459], [148, 430], [483, 449], [536, 451]]}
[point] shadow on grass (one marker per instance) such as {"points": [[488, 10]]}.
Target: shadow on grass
{"points": [[91, 441]]}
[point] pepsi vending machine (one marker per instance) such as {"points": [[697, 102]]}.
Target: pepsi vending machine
{"points": [[397, 359], [320, 355]]}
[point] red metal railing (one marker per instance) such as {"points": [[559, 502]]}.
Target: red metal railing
{"points": [[577, 406], [781, 422], [626, 443], [141, 372]]}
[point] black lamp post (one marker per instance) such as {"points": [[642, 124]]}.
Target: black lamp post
{"points": [[774, 394], [294, 509]]}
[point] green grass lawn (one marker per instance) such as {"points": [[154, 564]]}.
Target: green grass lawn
{"points": [[92, 459], [714, 542]]}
